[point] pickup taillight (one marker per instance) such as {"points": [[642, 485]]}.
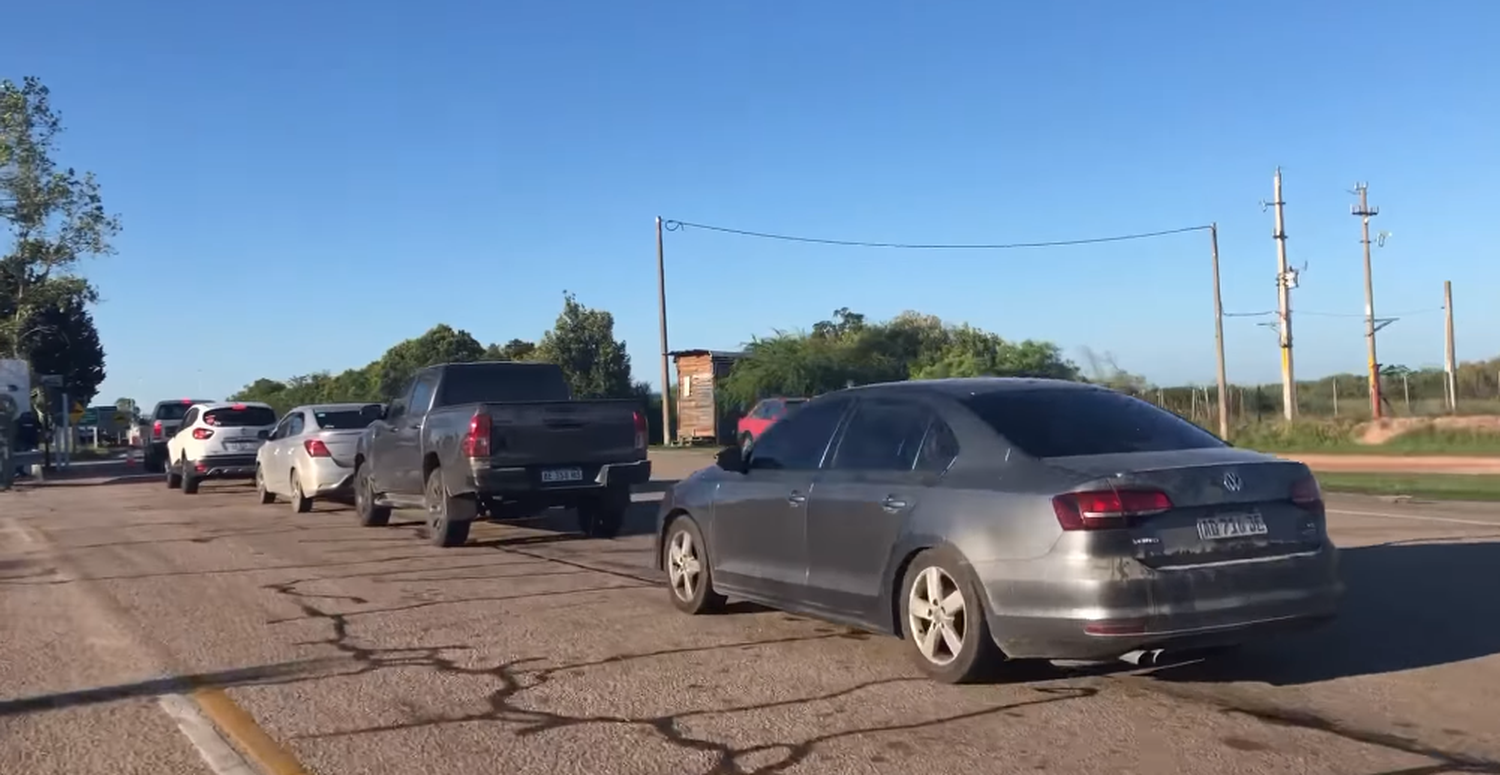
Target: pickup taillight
{"points": [[477, 440]]}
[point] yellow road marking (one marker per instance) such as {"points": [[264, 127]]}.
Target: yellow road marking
{"points": [[247, 735]]}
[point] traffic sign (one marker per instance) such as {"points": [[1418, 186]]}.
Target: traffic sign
{"points": [[77, 414]]}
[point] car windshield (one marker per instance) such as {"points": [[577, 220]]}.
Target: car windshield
{"points": [[172, 411], [240, 416], [344, 419], [1070, 422], [502, 383]]}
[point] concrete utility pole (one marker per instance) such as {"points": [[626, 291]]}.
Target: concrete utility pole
{"points": [[1450, 363], [1365, 212], [1285, 281], [661, 300], [1213, 237]]}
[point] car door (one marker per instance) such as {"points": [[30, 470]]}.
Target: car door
{"points": [[758, 534], [269, 455], [890, 451], [287, 448], [405, 447], [177, 441]]}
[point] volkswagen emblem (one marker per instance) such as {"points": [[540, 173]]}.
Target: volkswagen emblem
{"points": [[1232, 482]]}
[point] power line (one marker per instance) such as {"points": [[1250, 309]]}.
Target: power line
{"points": [[679, 225], [1332, 314]]}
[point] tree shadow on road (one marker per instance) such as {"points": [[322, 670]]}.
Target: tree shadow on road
{"points": [[1405, 606], [640, 519], [173, 685]]}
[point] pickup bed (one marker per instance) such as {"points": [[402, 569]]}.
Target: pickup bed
{"points": [[499, 440]]}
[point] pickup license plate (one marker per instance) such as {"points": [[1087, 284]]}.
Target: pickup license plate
{"points": [[1231, 526], [555, 475]]}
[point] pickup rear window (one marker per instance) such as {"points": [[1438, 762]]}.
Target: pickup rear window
{"points": [[502, 383], [175, 410], [246, 417]]}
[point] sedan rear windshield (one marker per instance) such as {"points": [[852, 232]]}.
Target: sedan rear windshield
{"points": [[346, 419], [1070, 422], [246, 417]]}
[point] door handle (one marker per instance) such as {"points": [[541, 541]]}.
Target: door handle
{"points": [[893, 504], [796, 498]]}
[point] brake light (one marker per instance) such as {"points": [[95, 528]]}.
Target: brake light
{"points": [[187, 402], [477, 440], [641, 431], [1107, 509], [156, 429], [202, 433], [316, 448], [237, 407], [1307, 494]]}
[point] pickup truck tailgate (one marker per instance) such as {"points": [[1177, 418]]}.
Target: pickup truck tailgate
{"points": [[559, 432]]}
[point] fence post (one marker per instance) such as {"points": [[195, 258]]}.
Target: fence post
{"points": [[1335, 397]]}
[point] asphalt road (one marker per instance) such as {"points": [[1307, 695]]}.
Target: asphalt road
{"points": [[141, 628]]}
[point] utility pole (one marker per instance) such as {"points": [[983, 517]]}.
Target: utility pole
{"points": [[1285, 281], [1365, 212], [661, 301], [1450, 364], [1213, 237]]}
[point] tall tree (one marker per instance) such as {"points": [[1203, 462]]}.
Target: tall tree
{"points": [[67, 343], [514, 350], [583, 345], [56, 218]]}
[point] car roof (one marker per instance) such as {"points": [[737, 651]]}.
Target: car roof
{"points": [[960, 387], [184, 401], [207, 405], [339, 407]]}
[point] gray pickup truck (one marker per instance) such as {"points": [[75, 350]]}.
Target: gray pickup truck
{"points": [[499, 440]]}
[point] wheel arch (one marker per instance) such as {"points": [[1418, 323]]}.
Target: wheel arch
{"points": [[666, 525], [902, 555]]}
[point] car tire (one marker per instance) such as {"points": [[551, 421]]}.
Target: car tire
{"points": [[189, 482], [262, 494], [301, 504], [371, 514], [690, 581], [950, 641], [602, 517], [174, 478], [448, 517]]}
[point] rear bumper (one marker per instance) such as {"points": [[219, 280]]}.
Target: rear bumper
{"points": [[224, 467], [325, 478], [527, 480], [1099, 611]]}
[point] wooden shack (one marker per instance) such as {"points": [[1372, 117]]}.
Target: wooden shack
{"points": [[699, 418]]}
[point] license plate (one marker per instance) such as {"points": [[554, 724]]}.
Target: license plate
{"points": [[242, 443], [555, 475], [1231, 526]]}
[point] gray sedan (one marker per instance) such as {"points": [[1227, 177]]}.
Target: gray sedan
{"points": [[986, 519]]}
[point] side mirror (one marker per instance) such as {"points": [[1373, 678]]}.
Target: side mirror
{"points": [[264, 434], [373, 411], [730, 459]]}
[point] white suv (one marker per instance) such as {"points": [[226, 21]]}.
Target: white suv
{"points": [[217, 440]]}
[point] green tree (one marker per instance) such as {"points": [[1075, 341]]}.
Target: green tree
{"points": [[56, 218], [441, 344], [514, 350], [66, 342], [582, 343]]}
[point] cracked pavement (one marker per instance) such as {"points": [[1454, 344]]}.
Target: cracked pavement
{"points": [[531, 650]]}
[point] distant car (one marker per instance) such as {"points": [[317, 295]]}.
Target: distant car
{"points": [[165, 419], [217, 440], [762, 416], [310, 453], [984, 519]]}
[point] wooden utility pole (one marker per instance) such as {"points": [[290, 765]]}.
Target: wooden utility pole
{"points": [[1213, 237], [1450, 364], [1365, 212], [1285, 281], [661, 301]]}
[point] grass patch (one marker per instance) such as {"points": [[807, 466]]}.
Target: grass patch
{"points": [[1453, 487], [1337, 437]]}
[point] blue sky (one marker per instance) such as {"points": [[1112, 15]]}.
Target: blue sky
{"points": [[304, 184]]}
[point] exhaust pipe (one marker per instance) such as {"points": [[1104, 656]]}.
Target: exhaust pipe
{"points": [[1141, 658]]}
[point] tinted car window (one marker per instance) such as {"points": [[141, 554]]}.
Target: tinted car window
{"points": [[1070, 421], [882, 436], [421, 393], [798, 442], [174, 411], [344, 419], [244, 417], [296, 424], [939, 448], [502, 383]]}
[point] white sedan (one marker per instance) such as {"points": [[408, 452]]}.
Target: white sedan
{"points": [[310, 454]]}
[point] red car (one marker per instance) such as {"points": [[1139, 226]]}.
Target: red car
{"points": [[762, 416]]}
